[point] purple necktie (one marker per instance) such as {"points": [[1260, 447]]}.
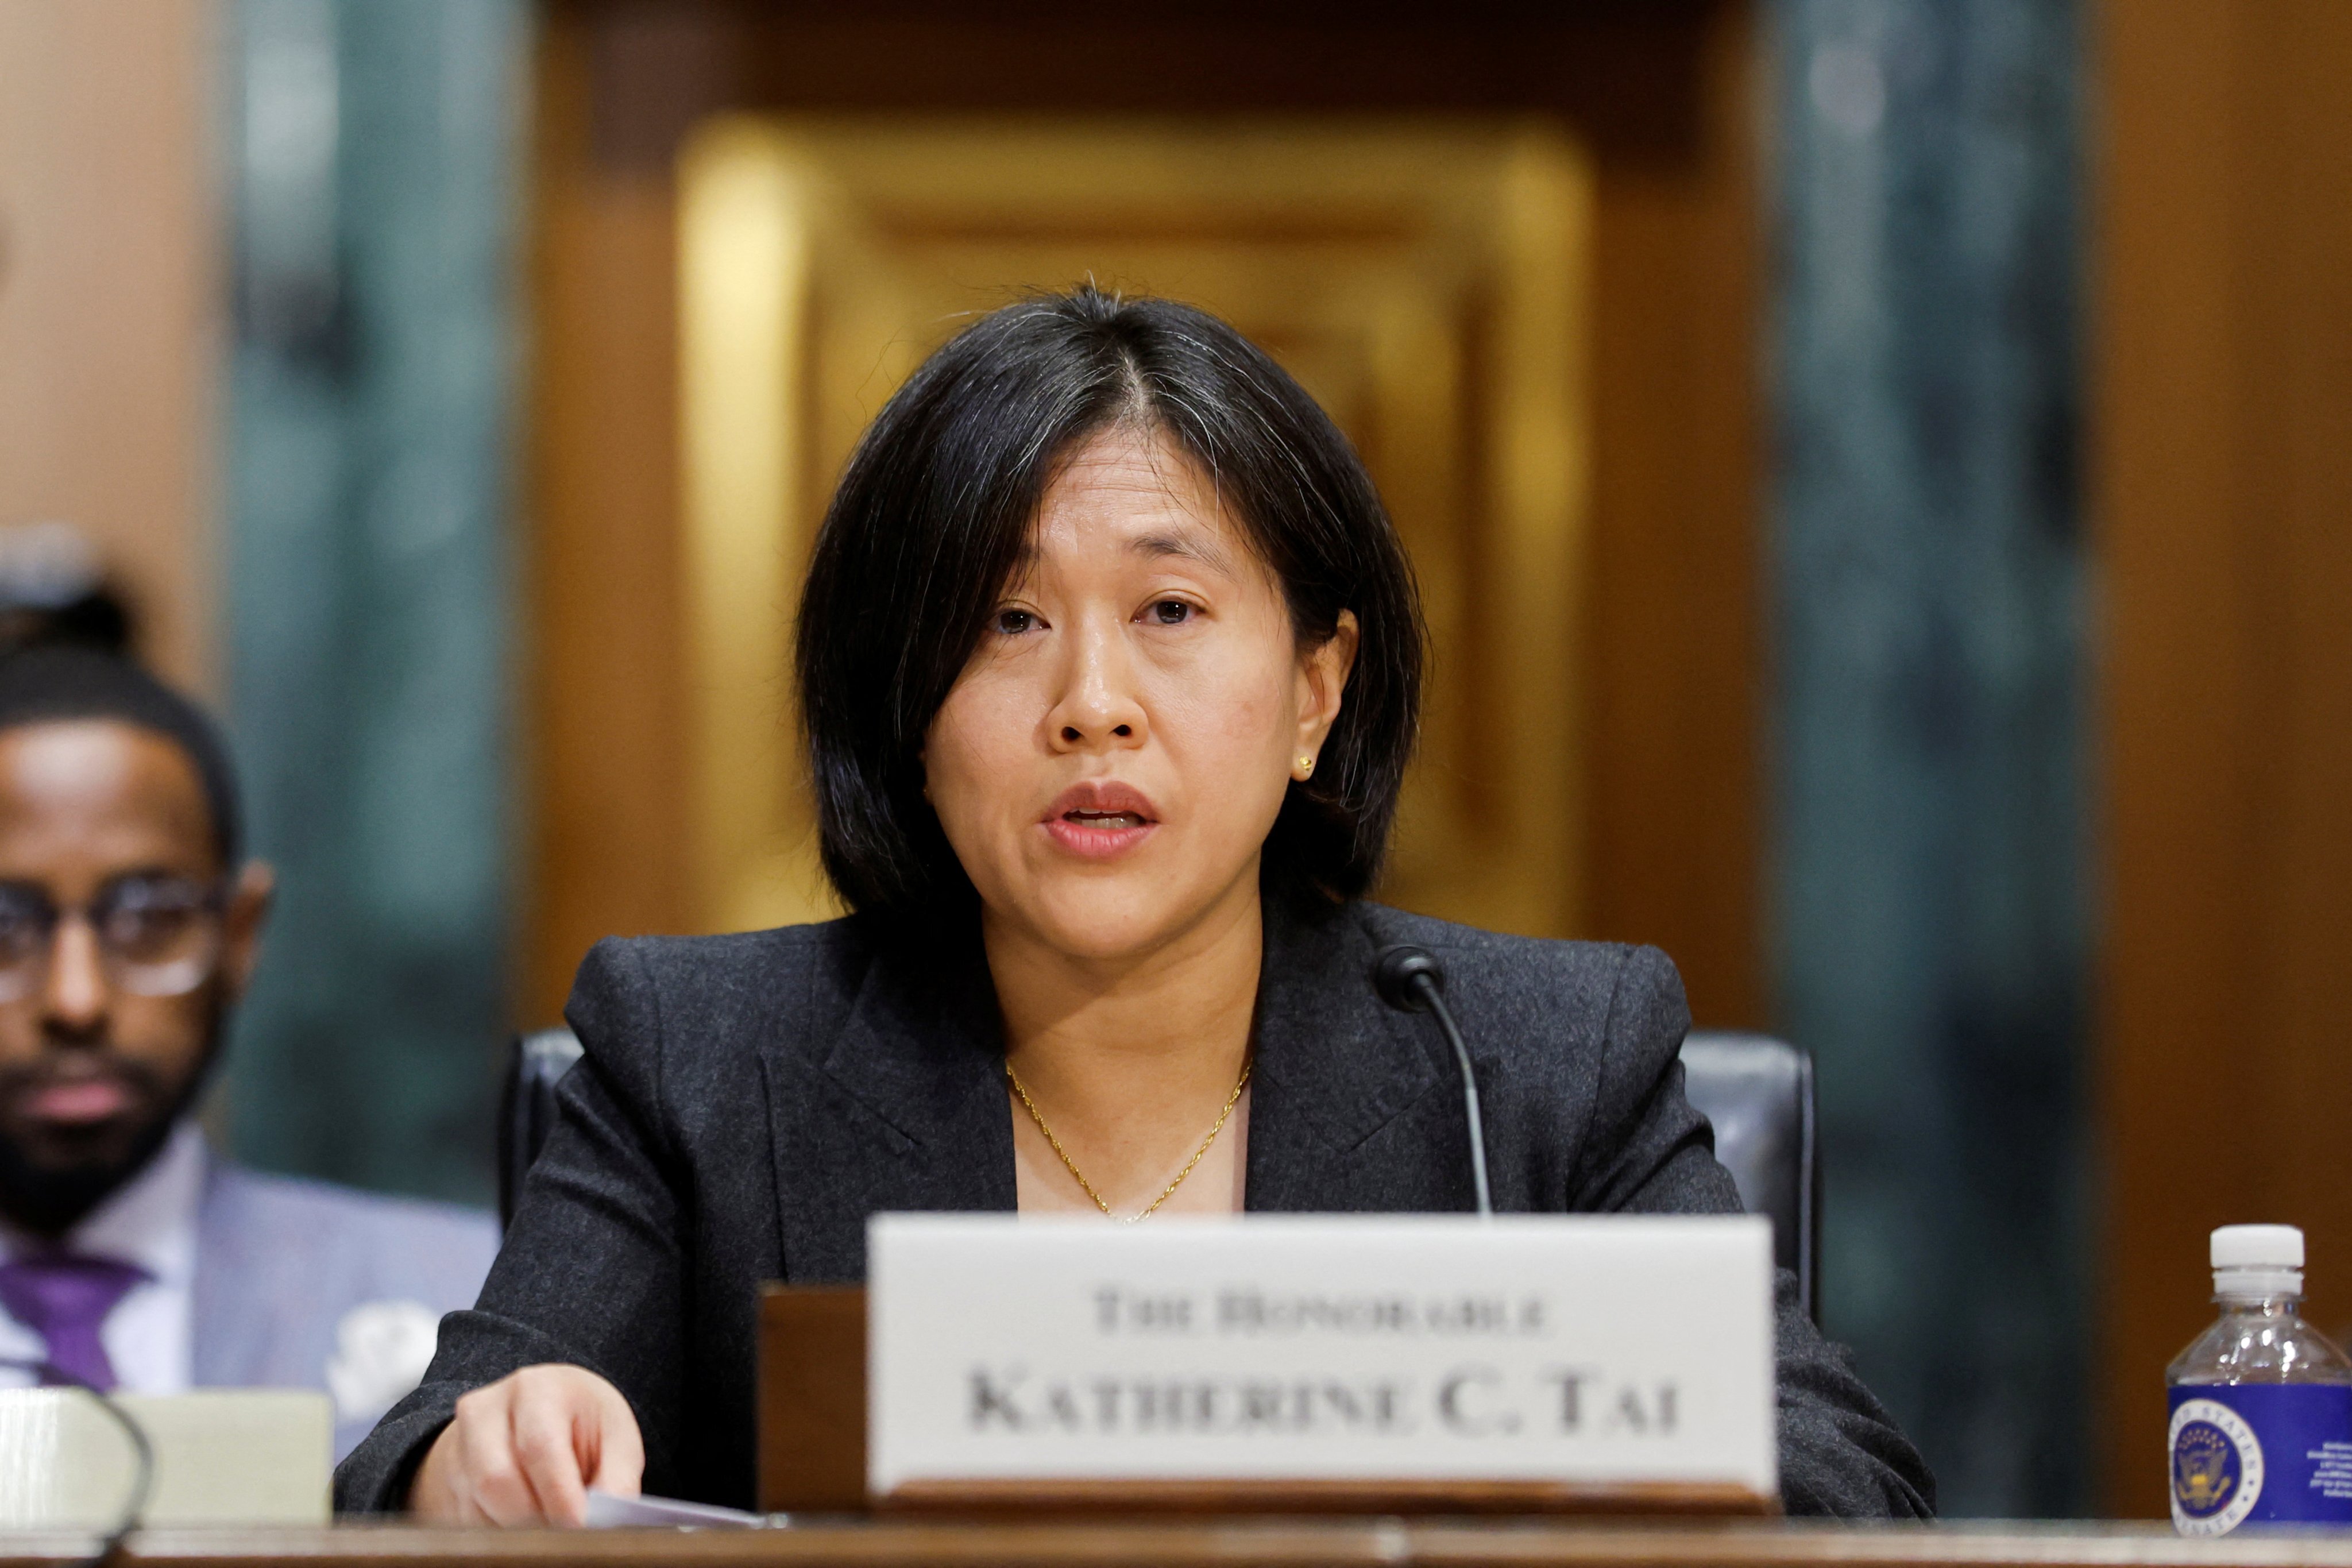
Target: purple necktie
{"points": [[65, 1298]]}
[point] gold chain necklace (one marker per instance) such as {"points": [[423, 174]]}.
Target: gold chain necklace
{"points": [[1101, 1203]]}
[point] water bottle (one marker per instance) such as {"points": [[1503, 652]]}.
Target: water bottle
{"points": [[2261, 1403]]}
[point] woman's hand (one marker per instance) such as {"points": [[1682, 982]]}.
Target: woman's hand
{"points": [[526, 1448]]}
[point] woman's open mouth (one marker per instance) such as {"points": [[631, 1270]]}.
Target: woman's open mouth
{"points": [[1100, 819], [1103, 818]]}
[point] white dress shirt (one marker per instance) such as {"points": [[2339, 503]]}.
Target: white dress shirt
{"points": [[150, 1221]]}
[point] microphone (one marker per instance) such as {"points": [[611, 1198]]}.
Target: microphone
{"points": [[1411, 980]]}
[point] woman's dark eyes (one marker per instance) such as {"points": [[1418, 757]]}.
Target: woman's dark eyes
{"points": [[1161, 612]]}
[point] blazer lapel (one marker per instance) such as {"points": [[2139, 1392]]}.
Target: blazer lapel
{"points": [[1337, 1071], [236, 1328], [904, 1110]]}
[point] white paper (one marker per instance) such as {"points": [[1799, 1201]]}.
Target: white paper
{"points": [[609, 1511]]}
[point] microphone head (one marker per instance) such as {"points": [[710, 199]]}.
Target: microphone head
{"points": [[1397, 974]]}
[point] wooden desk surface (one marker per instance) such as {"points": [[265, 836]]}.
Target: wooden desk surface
{"points": [[1223, 1544]]}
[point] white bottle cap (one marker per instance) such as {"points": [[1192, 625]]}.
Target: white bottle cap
{"points": [[2254, 1261], [2258, 1246]]}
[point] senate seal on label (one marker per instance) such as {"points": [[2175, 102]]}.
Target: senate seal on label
{"points": [[2216, 1469]]}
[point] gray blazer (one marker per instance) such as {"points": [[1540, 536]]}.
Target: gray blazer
{"points": [[747, 1101], [300, 1284]]}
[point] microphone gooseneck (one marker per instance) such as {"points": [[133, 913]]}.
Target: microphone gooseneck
{"points": [[1411, 980]]}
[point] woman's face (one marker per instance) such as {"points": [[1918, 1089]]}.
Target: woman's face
{"points": [[1110, 764]]}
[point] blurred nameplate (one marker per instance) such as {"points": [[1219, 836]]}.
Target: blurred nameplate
{"points": [[1526, 1362], [244, 1456]]}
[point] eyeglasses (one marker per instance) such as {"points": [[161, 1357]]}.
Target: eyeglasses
{"points": [[157, 936]]}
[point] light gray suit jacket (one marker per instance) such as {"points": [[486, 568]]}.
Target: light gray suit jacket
{"points": [[281, 1265]]}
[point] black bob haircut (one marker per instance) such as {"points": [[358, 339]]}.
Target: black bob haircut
{"points": [[58, 682], [937, 504]]}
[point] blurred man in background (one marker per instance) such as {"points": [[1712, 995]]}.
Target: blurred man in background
{"points": [[131, 1256]]}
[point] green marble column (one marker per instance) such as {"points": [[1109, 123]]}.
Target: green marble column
{"points": [[373, 157], [1930, 912]]}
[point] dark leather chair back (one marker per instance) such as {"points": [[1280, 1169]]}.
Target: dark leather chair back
{"points": [[526, 1106], [1759, 1093]]}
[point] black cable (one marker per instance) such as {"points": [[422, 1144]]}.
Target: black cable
{"points": [[1411, 980], [142, 1477], [1434, 1000]]}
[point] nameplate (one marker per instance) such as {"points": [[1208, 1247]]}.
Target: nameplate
{"points": [[223, 1455], [1014, 1357]]}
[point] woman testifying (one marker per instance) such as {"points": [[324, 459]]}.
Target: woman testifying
{"points": [[1109, 661]]}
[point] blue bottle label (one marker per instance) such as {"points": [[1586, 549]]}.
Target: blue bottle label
{"points": [[2260, 1453]]}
